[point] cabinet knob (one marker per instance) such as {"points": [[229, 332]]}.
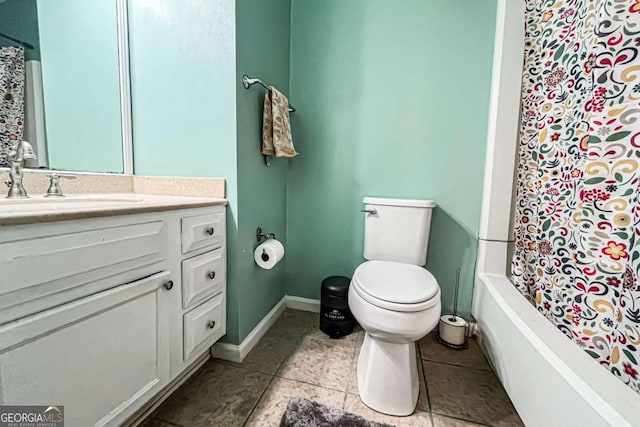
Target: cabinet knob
{"points": [[168, 285], [211, 324], [209, 231], [212, 275]]}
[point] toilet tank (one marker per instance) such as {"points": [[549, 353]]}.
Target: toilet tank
{"points": [[398, 230]]}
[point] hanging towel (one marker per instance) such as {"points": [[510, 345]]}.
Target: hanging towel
{"points": [[11, 99], [276, 128]]}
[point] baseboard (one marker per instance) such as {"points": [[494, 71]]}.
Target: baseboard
{"points": [[225, 351], [237, 353], [304, 304]]}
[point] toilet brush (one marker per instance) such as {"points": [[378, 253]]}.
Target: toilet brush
{"points": [[452, 330]]}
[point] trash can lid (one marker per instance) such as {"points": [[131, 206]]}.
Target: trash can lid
{"points": [[336, 285]]}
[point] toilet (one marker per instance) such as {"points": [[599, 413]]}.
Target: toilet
{"points": [[395, 300]]}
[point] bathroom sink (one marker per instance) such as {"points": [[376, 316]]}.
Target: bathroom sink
{"points": [[40, 205], [77, 198], [38, 208]]}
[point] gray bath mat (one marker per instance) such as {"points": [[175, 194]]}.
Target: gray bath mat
{"points": [[303, 412]]}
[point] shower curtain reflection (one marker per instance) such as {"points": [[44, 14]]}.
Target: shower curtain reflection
{"points": [[11, 99]]}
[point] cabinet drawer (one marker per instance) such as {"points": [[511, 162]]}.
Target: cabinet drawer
{"points": [[204, 325], [202, 276], [201, 231]]}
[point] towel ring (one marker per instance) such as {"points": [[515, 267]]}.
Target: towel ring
{"points": [[247, 82]]}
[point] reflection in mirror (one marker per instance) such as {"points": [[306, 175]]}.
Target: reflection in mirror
{"points": [[60, 83]]}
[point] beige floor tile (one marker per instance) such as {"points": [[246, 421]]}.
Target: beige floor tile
{"points": [[316, 334], [153, 422], [471, 357], [354, 405], [274, 402], [442, 421], [470, 394], [321, 363], [219, 394], [295, 322], [269, 353], [304, 324]]}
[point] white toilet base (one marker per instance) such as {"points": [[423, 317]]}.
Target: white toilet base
{"points": [[388, 376]]}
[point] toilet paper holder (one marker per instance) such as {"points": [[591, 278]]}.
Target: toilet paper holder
{"points": [[260, 235]]}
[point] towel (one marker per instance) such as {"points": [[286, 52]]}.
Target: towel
{"points": [[276, 128]]}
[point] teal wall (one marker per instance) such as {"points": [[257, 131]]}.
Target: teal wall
{"points": [[186, 65], [262, 49], [184, 102], [19, 19], [392, 100], [183, 88], [80, 82]]}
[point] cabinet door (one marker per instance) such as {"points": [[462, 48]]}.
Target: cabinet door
{"points": [[102, 356]]}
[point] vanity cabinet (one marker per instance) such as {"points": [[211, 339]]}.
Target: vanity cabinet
{"points": [[101, 314]]}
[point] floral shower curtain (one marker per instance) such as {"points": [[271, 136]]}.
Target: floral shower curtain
{"points": [[11, 99], [577, 254]]}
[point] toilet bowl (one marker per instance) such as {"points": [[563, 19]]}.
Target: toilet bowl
{"points": [[395, 300], [396, 304]]}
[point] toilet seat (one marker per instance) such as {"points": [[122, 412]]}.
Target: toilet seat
{"points": [[396, 286]]}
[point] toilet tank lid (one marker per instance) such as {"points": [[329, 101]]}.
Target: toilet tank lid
{"points": [[413, 203]]}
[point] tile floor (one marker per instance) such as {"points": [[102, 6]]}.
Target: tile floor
{"points": [[457, 388]]}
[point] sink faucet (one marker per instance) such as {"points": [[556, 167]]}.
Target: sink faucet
{"points": [[20, 152]]}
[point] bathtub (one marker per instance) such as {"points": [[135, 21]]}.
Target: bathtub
{"points": [[550, 380]]}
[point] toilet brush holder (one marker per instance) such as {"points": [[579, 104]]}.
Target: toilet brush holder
{"points": [[452, 329], [452, 332]]}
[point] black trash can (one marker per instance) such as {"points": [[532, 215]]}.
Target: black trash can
{"points": [[336, 319]]}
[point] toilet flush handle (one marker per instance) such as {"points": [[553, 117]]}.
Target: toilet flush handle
{"points": [[370, 211]]}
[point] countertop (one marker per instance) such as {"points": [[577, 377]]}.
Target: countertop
{"points": [[37, 209]]}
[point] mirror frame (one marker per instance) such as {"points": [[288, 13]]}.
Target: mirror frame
{"points": [[124, 72]]}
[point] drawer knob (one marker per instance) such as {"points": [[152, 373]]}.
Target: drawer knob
{"points": [[211, 324], [209, 231], [168, 285], [212, 275]]}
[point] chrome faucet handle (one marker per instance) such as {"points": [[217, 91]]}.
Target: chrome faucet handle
{"points": [[54, 184], [18, 152], [61, 175]]}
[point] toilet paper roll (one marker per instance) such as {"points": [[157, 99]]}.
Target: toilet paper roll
{"points": [[268, 254], [452, 329]]}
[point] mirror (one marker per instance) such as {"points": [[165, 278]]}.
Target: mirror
{"points": [[64, 83]]}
